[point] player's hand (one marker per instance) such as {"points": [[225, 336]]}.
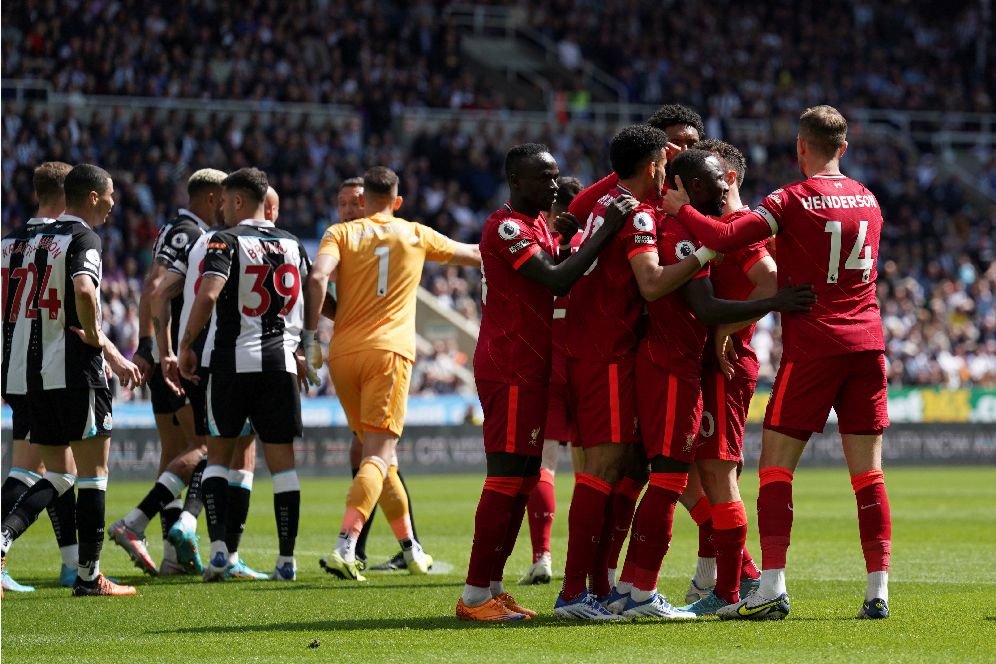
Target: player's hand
{"points": [[618, 212], [795, 298], [566, 225], [675, 198], [726, 354], [312, 350], [169, 366], [188, 365], [88, 339], [127, 372], [143, 358], [306, 376]]}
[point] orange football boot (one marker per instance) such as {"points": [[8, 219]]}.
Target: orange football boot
{"points": [[491, 611], [512, 605], [104, 586]]}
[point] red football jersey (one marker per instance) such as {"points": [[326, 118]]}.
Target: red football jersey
{"points": [[829, 228], [675, 338], [730, 282], [558, 371], [605, 303], [514, 345]]}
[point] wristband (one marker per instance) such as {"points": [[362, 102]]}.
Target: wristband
{"points": [[144, 349], [704, 255]]}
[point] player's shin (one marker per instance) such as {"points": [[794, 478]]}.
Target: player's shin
{"points": [[62, 514], [194, 503], [705, 566], [490, 529], [774, 524], [875, 527], [540, 509], [729, 534], [364, 492], [18, 481], [90, 522], [584, 526], [165, 491], [287, 510], [31, 503], [237, 509], [517, 514], [214, 487], [618, 519], [651, 533]]}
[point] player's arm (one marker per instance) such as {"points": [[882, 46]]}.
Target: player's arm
{"points": [[466, 254], [764, 276], [146, 325], [710, 310], [200, 314], [656, 280], [165, 289], [89, 331], [559, 277], [718, 235]]}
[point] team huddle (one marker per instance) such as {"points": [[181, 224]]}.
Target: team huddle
{"points": [[616, 318]]}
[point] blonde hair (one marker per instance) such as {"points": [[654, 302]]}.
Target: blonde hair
{"points": [[203, 179], [824, 128]]}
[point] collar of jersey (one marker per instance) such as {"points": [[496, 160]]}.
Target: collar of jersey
{"points": [[39, 221], [71, 217], [382, 217], [624, 189], [184, 212], [257, 223], [508, 208], [829, 176]]}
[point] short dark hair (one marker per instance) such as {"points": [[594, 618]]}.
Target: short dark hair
{"points": [[380, 181], [251, 181], [633, 146], [672, 114], [351, 182], [49, 179], [688, 164], [520, 153], [824, 127], [83, 179], [567, 188], [733, 157]]}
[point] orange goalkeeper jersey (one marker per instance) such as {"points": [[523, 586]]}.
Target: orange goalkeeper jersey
{"points": [[380, 260]]}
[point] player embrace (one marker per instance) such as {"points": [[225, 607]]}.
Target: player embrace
{"points": [[828, 228]]}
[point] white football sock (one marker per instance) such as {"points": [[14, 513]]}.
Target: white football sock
{"points": [[188, 521], [772, 583], [497, 588], [624, 587], [70, 555], [137, 521], [217, 547], [345, 545], [283, 560], [878, 586], [612, 578], [475, 596], [641, 595], [705, 573], [169, 551]]}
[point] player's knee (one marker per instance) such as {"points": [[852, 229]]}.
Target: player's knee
{"points": [[376, 461]]}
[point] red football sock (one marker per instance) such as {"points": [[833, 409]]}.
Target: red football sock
{"points": [[540, 509], [584, 527], [652, 530], [618, 518], [729, 534], [774, 516], [701, 514], [874, 519], [490, 527], [748, 569], [516, 514]]}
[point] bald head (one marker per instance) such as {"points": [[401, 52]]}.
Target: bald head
{"points": [[271, 205]]}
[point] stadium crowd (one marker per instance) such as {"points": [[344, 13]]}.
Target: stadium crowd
{"points": [[937, 278]]}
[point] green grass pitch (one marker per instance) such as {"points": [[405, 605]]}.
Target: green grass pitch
{"points": [[943, 589]]}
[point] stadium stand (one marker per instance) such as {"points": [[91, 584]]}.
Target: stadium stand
{"points": [[937, 278]]}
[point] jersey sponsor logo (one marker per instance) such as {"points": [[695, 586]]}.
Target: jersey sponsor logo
{"points": [[644, 239], [518, 246], [643, 222], [509, 230], [217, 245], [684, 249], [180, 240]]}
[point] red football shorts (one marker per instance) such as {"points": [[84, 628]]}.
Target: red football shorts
{"points": [[670, 410], [603, 400], [559, 418], [514, 416], [854, 385], [725, 404]]}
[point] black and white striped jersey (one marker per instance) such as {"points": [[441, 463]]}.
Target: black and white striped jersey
{"points": [[39, 307], [192, 271], [172, 251], [260, 312]]}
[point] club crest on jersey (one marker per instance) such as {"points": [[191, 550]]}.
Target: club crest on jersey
{"points": [[684, 249], [643, 222], [180, 240], [534, 436], [508, 230]]}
